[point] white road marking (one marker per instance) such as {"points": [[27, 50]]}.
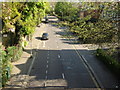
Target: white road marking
{"points": [[95, 82], [47, 57], [43, 44], [31, 65], [84, 58], [47, 61], [46, 77], [46, 71], [58, 56], [63, 75], [47, 66]]}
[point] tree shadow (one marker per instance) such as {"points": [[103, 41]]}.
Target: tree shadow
{"points": [[39, 38], [75, 73]]}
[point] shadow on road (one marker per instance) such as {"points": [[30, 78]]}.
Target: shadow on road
{"points": [[64, 68], [75, 76]]}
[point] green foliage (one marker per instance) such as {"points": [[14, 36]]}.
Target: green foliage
{"points": [[10, 52], [109, 61], [66, 11], [96, 30], [5, 66], [23, 17], [14, 53], [25, 43]]}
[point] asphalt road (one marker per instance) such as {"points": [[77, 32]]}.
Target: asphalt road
{"points": [[58, 63]]}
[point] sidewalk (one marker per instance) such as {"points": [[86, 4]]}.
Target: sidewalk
{"points": [[20, 71]]}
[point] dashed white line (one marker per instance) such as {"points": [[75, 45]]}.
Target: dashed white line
{"points": [[47, 61], [58, 56], [47, 57], [46, 71], [63, 75], [47, 66], [46, 77]]}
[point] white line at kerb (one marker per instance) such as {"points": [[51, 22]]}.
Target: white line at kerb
{"points": [[84, 58], [31, 65], [63, 75]]}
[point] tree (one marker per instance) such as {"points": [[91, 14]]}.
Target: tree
{"points": [[101, 31], [66, 11], [23, 17]]}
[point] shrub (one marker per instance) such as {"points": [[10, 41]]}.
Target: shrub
{"points": [[25, 43], [12, 53], [109, 61], [5, 67]]}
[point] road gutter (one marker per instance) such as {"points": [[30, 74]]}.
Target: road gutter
{"points": [[28, 73]]}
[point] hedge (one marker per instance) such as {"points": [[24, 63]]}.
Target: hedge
{"points": [[112, 63], [12, 53]]}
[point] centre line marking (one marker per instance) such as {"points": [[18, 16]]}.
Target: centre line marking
{"points": [[47, 61], [63, 75], [58, 56], [47, 66], [46, 77], [46, 71]]}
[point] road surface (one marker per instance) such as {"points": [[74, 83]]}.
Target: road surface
{"points": [[60, 62]]}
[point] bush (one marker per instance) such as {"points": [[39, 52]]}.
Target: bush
{"points": [[14, 52], [5, 67], [25, 43], [109, 61], [10, 52]]}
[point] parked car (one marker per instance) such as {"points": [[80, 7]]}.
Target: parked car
{"points": [[44, 36]]}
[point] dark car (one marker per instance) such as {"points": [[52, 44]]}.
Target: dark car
{"points": [[44, 36]]}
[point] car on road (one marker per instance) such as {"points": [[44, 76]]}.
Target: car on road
{"points": [[44, 36]]}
